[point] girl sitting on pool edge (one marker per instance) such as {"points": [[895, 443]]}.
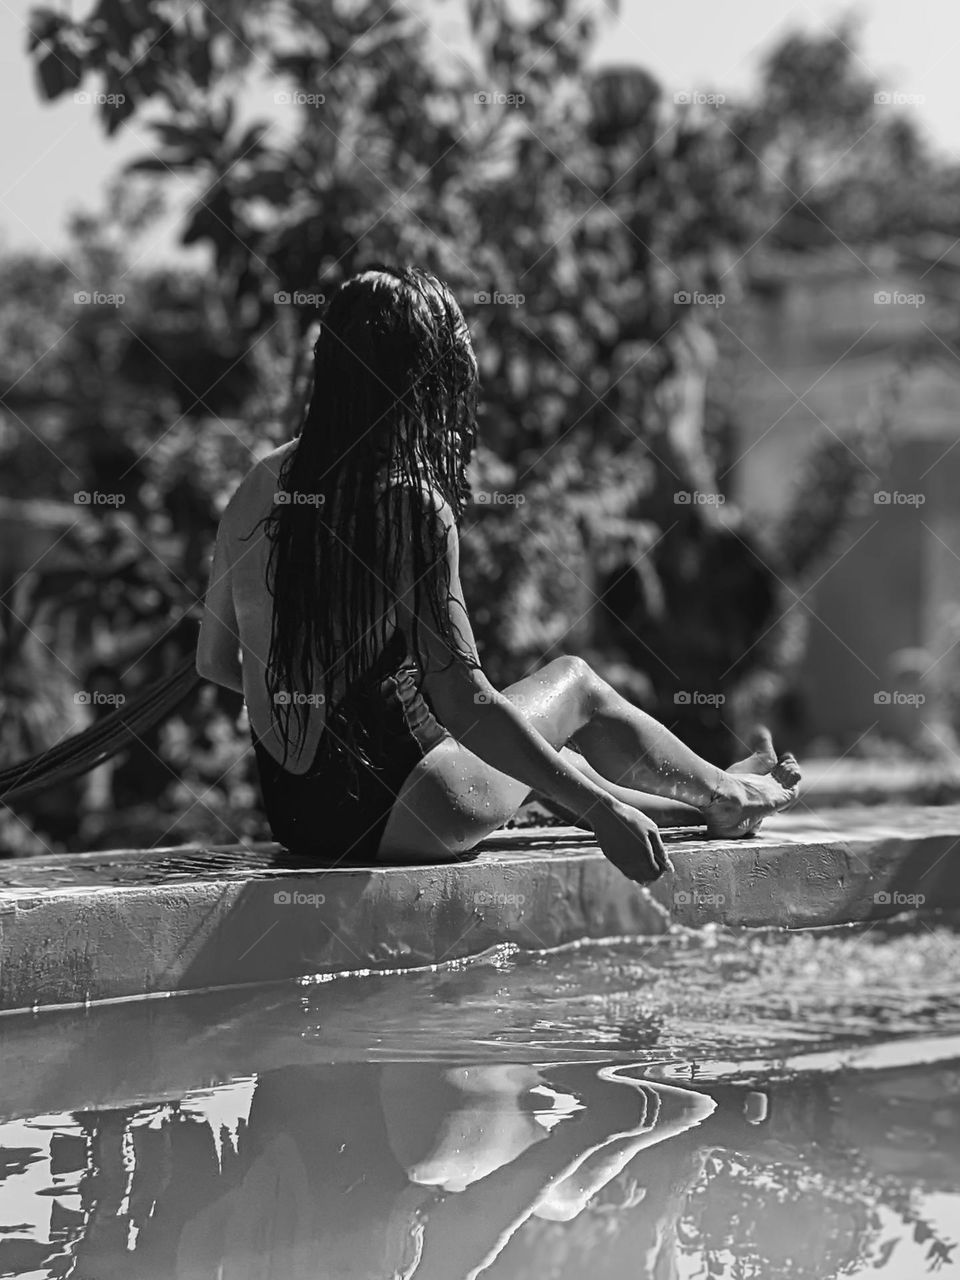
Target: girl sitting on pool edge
{"points": [[335, 607]]}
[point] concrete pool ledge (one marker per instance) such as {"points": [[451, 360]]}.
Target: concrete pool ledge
{"points": [[113, 925]]}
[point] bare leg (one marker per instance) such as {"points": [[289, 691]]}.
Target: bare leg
{"points": [[453, 799], [665, 813], [673, 813], [566, 701], [630, 747]]}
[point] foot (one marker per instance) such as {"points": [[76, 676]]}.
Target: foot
{"points": [[767, 783]]}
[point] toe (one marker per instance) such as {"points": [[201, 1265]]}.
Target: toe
{"points": [[787, 771], [763, 759]]}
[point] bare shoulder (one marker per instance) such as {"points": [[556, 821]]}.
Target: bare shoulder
{"points": [[254, 494], [271, 463]]}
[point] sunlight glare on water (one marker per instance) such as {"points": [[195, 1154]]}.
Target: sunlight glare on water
{"points": [[733, 1106]]}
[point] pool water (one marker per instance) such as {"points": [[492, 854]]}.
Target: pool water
{"points": [[719, 1105]]}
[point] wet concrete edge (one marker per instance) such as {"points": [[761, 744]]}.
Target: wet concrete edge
{"points": [[94, 942]]}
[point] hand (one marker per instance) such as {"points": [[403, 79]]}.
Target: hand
{"points": [[630, 840]]}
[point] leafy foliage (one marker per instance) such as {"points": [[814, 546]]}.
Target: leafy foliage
{"points": [[581, 212]]}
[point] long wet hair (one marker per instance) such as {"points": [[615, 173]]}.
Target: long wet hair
{"points": [[394, 392]]}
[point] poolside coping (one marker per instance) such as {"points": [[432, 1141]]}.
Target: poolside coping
{"points": [[91, 927]]}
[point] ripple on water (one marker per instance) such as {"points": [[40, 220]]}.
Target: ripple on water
{"points": [[712, 992]]}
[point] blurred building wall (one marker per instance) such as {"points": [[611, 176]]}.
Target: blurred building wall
{"points": [[814, 343]]}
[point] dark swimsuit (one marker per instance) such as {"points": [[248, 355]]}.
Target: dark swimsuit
{"points": [[314, 814]]}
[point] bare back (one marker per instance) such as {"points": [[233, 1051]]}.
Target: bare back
{"points": [[248, 547]]}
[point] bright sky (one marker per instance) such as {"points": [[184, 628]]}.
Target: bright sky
{"points": [[56, 158]]}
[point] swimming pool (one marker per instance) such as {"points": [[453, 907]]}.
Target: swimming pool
{"points": [[712, 1103]]}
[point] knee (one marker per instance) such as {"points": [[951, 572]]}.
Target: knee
{"points": [[577, 673]]}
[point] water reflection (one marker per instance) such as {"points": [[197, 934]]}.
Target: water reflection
{"points": [[437, 1171], [419, 1171]]}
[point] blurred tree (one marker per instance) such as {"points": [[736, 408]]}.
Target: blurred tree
{"points": [[575, 212]]}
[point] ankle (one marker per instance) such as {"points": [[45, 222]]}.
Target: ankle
{"points": [[727, 789]]}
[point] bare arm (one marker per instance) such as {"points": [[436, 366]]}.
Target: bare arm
{"points": [[218, 648], [466, 701], [469, 706]]}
